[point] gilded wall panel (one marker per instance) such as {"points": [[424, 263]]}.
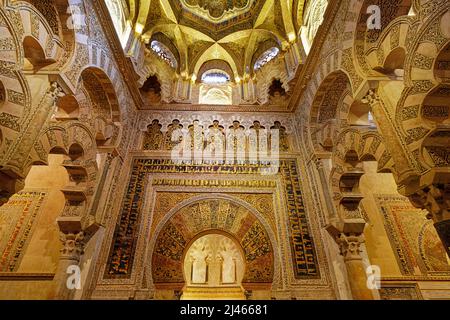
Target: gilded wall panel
{"points": [[17, 219]]}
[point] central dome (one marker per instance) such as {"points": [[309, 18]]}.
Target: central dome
{"points": [[217, 10]]}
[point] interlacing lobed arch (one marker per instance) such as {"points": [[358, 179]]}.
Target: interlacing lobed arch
{"points": [[59, 95], [397, 79]]}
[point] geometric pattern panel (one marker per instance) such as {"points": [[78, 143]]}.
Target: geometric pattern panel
{"points": [[413, 237], [17, 218], [123, 246]]}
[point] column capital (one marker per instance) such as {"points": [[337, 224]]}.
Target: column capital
{"points": [[111, 155], [318, 162], [435, 198], [73, 245], [350, 246]]}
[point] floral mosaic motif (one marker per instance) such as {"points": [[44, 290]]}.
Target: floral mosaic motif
{"points": [[416, 134], [255, 245], [9, 121], [439, 155], [16, 97], [7, 69], [409, 112]]}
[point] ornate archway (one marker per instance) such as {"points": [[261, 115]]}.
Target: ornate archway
{"points": [[212, 216], [214, 267]]}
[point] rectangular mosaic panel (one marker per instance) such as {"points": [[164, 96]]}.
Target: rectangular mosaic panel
{"points": [[120, 260], [302, 245], [413, 237], [17, 218]]}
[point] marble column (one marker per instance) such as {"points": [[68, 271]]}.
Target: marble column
{"points": [[67, 272], [349, 245]]}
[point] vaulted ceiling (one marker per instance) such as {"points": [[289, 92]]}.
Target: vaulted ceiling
{"points": [[233, 31]]}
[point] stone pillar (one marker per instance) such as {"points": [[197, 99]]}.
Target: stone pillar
{"points": [[349, 237], [73, 247], [349, 246]]}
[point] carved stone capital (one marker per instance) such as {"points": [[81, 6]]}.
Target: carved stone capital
{"points": [[371, 98], [73, 245], [436, 200], [54, 91], [349, 246]]}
